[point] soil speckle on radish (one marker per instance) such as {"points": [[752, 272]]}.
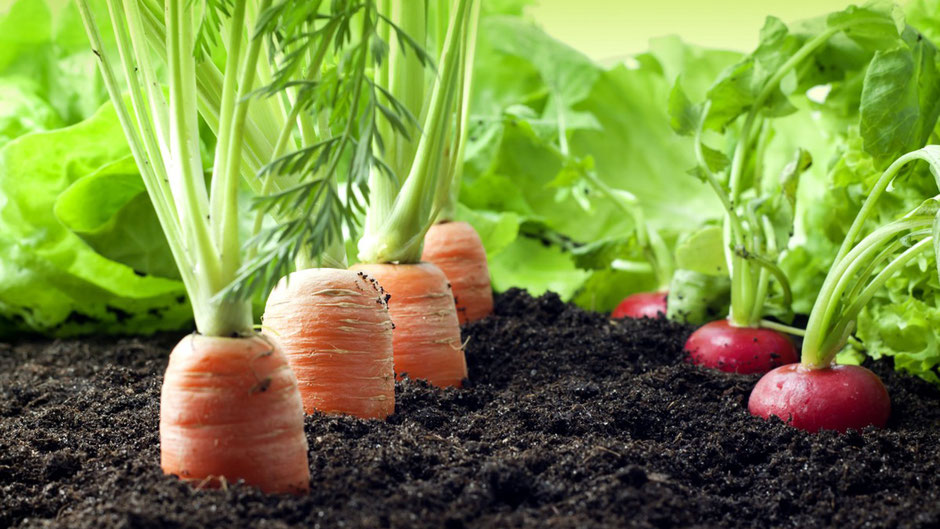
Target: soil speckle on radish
{"points": [[569, 420]]}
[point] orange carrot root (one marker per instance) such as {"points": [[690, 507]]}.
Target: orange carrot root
{"points": [[456, 249], [426, 339], [230, 410], [335, 329]]}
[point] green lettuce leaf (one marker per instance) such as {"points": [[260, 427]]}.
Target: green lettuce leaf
{"points": [[703, 252], [903, 321], [111, 211], [23, 111], [44, 45], [531, 95], [900, 102], [50, 279]]}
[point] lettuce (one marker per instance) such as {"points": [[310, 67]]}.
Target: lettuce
{"points": [[56, 140], [895, 109], [53, 281], [23, 111], [44, 51], [531, 89]]}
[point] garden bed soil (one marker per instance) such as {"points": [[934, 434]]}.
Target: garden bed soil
{"points": [[569, 420]]}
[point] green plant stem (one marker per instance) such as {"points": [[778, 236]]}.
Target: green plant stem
{"points": [[779, 327], [449, 191], [144, 65], [382, 188], [777, 273], [746, 284], [869, 270], [740, 151], [733, 233], [219, 204], [876, 191], [769, 267], [742, 291], [214, 317], [406, 81], [839, 333], [399, 237], [228, 207], [842, 273], [209, 81]]}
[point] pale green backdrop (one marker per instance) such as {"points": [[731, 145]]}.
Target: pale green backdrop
{"points": [[611, 29], [608, 30]]}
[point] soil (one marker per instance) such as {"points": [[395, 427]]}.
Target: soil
{"points": [[570, 420]]}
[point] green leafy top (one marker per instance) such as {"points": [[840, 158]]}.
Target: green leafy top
{"points": [[862, 267], [267, 116], [407, 197], [314, 178], [734, 129]]}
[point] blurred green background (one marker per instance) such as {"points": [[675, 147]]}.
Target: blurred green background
{"points": [[608, 30]]}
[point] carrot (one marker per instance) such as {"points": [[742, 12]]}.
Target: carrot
{"points": [[426, 338], [229, 410], [456, 249], [335, 329]]}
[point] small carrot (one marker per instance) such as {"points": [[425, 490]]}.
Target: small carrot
{"points": [[335, 329], [456, 248], [229, 410], [426, 338]]}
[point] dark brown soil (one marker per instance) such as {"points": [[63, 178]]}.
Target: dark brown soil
{"points": [[570, 421]]}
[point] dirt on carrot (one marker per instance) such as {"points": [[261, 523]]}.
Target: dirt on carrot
{"points": [[426, 339], [568, 420], [335, 329]]}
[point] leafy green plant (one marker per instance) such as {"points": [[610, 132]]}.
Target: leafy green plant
{"points": [[819, 394], [874, 117], [738, 117], [517, 176]]}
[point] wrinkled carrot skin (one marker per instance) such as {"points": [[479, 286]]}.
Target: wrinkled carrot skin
{"points": [[426, 339], [230, 410], [335, 329], [456, 248]]}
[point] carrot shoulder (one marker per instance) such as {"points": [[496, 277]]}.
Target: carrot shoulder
{"points": [[336, 331], [426, 339], [456, 249], [230, 410]]}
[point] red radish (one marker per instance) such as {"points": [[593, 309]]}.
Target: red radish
{"points": [[720, 345], [642, 305], [817, 394], [837, 398]]}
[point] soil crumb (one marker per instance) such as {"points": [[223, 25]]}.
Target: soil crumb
{"points": [[569, 420]]}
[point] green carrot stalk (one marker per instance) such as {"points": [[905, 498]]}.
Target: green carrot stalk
{"points": [[405, 204], [265, 108]]}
